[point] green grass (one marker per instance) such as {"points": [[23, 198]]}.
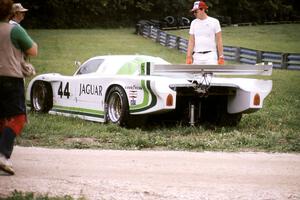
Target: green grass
{"points": [[279, 38], [275, 128], [58, 49]]}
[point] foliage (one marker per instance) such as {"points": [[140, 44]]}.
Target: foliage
{"points": [[105, 13]]}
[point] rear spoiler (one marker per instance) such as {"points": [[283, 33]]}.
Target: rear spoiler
{"points": [[149, 68]]}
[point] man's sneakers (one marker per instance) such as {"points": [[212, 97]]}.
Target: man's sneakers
{"points": [[5, 165]]}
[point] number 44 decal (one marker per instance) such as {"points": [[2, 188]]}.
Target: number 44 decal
{"points": [[64, 92]]}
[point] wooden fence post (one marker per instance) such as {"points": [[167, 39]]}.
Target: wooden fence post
{"points": [[238, 54], [158, 35], [284, 61], [167, 40], [177, 43], [138, 28], [258, 56], [149, 32]]}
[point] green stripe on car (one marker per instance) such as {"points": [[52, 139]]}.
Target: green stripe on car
{"points": [[79, 111], [148, 102]]}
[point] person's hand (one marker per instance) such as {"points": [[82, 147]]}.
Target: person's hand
{"points": [[189, 60], [221, 60]]}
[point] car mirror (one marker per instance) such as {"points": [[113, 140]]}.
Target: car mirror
{"points": [[77, 64]]}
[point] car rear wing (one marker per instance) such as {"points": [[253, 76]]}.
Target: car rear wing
{"points": [[149, 68]]}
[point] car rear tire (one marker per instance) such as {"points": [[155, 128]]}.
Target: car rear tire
{"points": [[117, 109], [41, 97]]}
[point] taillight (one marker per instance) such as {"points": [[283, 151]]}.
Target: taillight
{"points": [[256, 100], [169, 100]]}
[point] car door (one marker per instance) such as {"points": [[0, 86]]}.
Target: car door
{"points": [[89, 94]]}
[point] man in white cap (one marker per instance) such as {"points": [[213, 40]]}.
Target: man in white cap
{"points": [[205, 45], [18, 13]]}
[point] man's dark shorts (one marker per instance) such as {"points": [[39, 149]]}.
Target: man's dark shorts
{"points": [[12, 97]]}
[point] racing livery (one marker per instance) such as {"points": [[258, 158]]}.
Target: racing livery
{"points": [[125, 88]]}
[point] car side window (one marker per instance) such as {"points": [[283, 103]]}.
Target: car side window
{"points": [[90, 66]]}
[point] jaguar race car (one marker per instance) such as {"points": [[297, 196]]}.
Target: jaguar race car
{"points": [[124, 89]]}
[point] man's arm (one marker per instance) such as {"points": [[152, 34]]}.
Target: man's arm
{"points": [[220, 47], [190, 49], [219, 43], [23, 41], [33, 51]]}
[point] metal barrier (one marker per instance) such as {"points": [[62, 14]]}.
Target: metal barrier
{"points": [[293, 61], [239, 54]]}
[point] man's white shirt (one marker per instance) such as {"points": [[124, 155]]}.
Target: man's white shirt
{"points": [[205, 33]]}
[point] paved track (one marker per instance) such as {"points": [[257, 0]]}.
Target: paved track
{"points": [[153, 175]]}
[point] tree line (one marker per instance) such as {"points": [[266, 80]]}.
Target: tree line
{"points": [[116, 13]]}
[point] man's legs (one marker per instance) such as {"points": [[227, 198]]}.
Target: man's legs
{"points": [[7, 138], [12, 117], [12, 127], [6, 147]]}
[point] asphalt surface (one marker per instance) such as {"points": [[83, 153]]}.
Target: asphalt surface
{"points": [[153, 175]]}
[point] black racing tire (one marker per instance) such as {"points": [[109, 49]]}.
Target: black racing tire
{"points": [[117, 107], [185, 21], [41, 97], [171, 22]]}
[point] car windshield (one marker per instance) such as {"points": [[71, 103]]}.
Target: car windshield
{"points": [[90, 66]]}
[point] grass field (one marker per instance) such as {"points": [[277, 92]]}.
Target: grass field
{"points": [[275, 128], [60, 48]]}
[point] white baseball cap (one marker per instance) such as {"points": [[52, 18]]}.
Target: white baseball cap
{"points": [[199, 4], [17, 7]]}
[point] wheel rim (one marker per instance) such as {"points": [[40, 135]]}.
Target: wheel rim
{"points": [[115, 107], [38, 97]]}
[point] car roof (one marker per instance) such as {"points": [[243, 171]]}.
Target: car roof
{"points": [[124, 64], [121, 58]]}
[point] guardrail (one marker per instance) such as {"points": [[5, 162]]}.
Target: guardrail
{"points": [[231, 53]]}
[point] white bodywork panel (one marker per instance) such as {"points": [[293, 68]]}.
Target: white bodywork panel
{"points": [[147, 86]]}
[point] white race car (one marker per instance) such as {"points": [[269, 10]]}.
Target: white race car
{"points": [[124, 89]]}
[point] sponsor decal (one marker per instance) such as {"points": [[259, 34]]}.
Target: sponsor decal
{"points": [[132, 97], [133, 87], [133, 90], [90, 89]]}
